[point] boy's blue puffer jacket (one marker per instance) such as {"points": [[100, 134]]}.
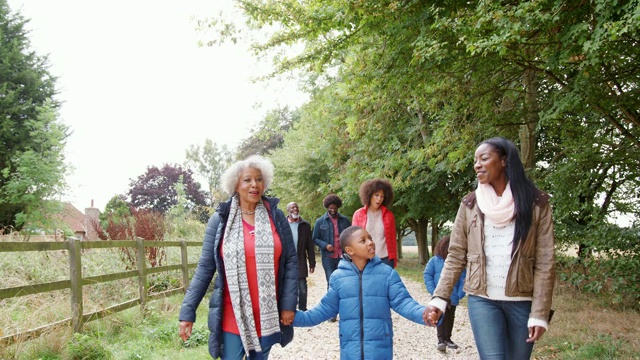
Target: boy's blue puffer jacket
{"points": [[364, 302]]}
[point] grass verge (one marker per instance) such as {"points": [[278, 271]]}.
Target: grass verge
{"points": [[128, 335]]}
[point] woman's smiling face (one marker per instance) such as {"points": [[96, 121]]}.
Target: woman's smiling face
{"points": [[250, 186], [489, 165]]}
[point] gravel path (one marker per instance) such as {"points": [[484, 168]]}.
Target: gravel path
{"points": [[410, 341]]}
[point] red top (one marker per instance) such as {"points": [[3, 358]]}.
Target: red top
{"points": [[337, 249], [389, 222], [229, 323]]}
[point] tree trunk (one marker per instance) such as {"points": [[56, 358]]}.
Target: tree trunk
{"points": [[528, 129], [419, 227], [435, 234]]}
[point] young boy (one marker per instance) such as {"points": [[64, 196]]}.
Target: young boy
{"points": [[363, 290]]}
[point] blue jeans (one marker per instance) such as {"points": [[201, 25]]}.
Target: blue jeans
{"points": [[500, 328], [232, 349], [329, 265]]}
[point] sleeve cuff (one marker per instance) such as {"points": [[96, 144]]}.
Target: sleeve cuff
{"points": [[439, 303], [538, 322]]}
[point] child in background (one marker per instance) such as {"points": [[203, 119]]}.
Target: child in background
{"points": [[363, 290], [431, 277]]}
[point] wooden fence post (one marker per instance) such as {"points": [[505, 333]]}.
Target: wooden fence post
{"points": [[142, 278], [75, 277], [185, 265]]}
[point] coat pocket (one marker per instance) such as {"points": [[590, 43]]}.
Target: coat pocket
{"points": [[324, 231], [474, 272], [525, 274]]}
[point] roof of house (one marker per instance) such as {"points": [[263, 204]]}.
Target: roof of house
{"points": [[73, 218]]}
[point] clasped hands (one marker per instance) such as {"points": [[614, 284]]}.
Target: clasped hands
{"points": [[431, 315]]}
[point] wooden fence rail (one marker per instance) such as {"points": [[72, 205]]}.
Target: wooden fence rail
{"points": [[76, 281]]}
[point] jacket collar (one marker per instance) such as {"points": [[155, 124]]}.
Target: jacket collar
{"points": [[269, 203], [541, 198], [382, 208], [327, 217], [300, 220]]}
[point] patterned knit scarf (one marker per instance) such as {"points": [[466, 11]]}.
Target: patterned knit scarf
{"points": [[236, 276], [498, 210]]}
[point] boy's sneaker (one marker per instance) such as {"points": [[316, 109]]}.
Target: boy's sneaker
{"points": [[451, 344], [442, 346]]}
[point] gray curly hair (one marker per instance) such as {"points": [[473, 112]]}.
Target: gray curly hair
{"points": [[229, 179]]}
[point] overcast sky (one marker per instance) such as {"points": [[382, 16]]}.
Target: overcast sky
{"points": [[137, 90]]}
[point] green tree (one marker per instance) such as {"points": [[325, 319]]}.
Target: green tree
{"points": [[116, 221], [269, 134], [32, 167], [307, 167], [465, 71], [180, 221], [210, 161]]}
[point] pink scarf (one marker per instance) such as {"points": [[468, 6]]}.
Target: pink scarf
{"points": [[498, 210]]}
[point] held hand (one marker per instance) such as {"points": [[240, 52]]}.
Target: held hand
{"points": [[286, 317], [185, 330], [311, 270], [431, 315], [535, 333], [330, 248]]}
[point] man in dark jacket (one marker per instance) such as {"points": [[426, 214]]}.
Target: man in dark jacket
{"points": [[326, 234], [303, 243]]}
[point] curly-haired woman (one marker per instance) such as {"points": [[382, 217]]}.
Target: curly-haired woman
{"points": [[376, 196]]}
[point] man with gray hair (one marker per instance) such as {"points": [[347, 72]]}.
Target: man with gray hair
{"points": [[304, 245]]}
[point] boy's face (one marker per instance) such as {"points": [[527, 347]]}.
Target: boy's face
{"points": [[362, 246]]}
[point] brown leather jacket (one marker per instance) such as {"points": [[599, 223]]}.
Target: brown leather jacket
{"points": [[532, 270]]}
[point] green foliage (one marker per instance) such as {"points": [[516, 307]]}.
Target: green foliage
{"points": [[306, 164], [199, 337], [116, 211], [608, 272], [210, 161], [406, 91], [84, 347], [32, 167], [47, 356], [604, 347], [116, 221], [181, 223], [269, 135], [161, 282]]}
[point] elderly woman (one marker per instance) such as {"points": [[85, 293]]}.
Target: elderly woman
{"points": [[248, 242], [503, 233], [376, 196]]}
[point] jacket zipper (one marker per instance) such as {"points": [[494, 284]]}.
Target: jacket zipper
{"points": [[361, 317]]}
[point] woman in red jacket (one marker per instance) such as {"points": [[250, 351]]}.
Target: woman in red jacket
{"points": [[376, 195]]}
